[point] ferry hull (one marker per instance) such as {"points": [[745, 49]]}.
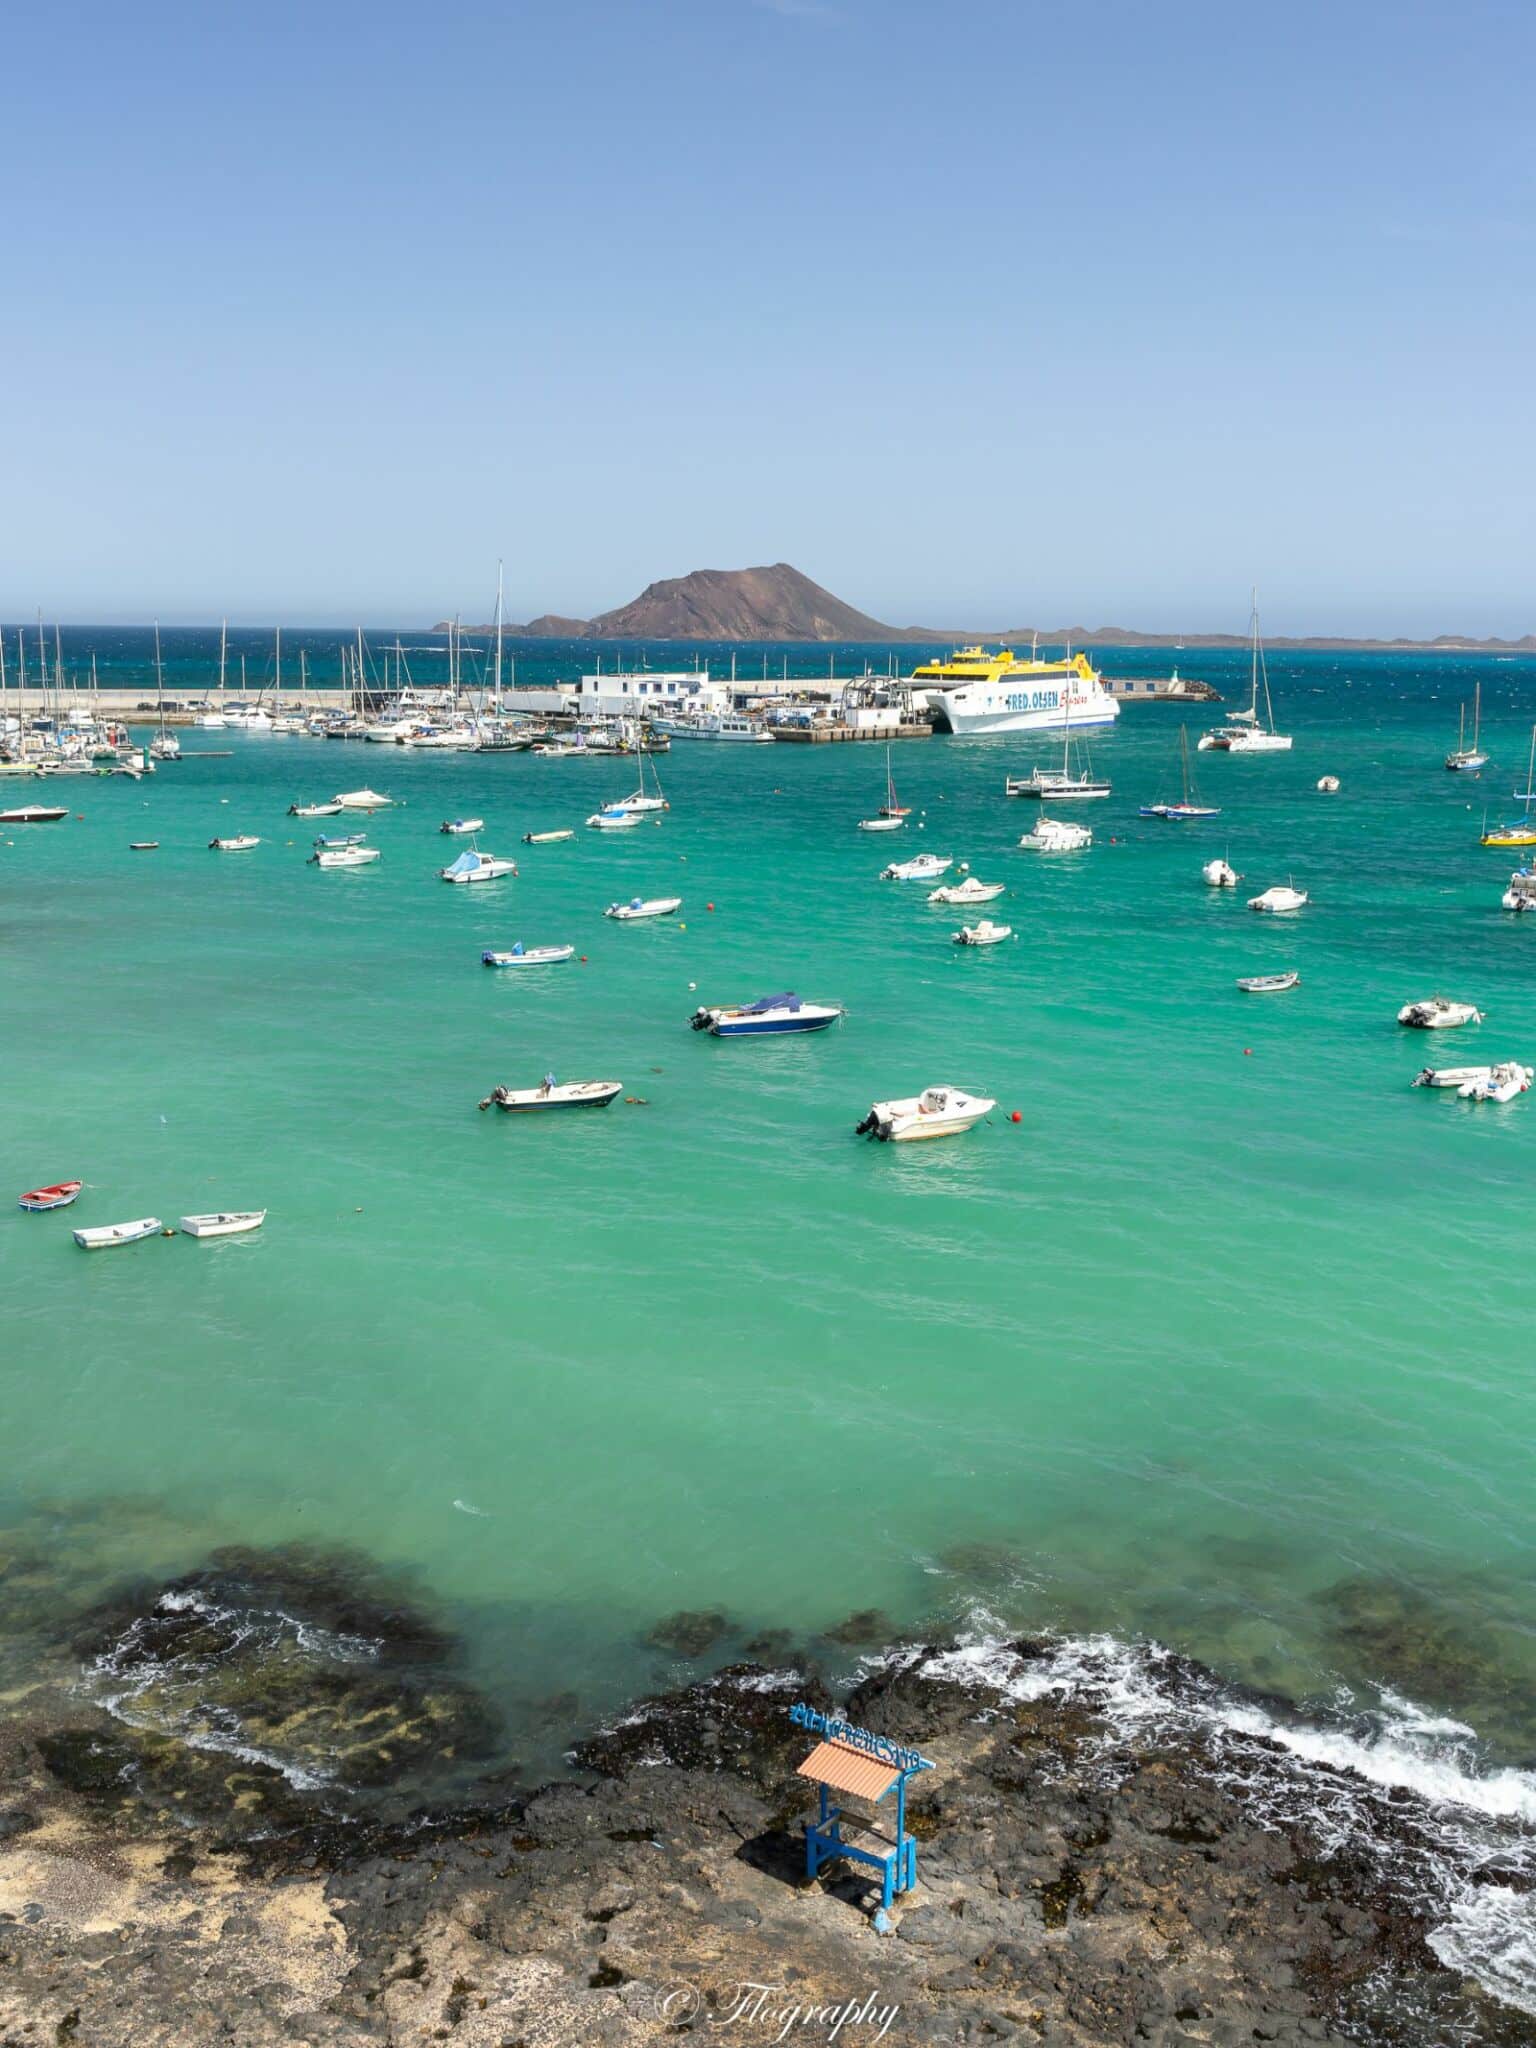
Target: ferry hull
{"points": [[980, 719]]}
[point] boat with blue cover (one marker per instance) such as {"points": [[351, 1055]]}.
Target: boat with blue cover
{"points": [[769, 1016]]}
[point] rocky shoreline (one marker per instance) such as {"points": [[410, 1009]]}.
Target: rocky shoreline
{"points": [[1087, 1875]]}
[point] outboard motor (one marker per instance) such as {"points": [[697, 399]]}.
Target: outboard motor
{"points": [[700, 1020], [869, 1124]]}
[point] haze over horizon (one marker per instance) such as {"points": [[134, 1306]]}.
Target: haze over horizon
{"points": [[1012, 314]]}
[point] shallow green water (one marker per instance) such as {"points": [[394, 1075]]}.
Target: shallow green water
{"points": [[1229, 1317]]}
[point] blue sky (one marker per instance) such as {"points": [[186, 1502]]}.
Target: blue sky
{"points": [[981, 314]]}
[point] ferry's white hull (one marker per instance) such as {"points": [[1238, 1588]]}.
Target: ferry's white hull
{"points": [[978, 709]]}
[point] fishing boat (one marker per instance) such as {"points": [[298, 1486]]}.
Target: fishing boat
{"points": [[344, 857], [769, 1016], [553, 1094], [34, 814], [224, 1223], [547, 838], [239, 842], [1328, 784], [1220, 874], [363, 800], [614, 820], [1519, 831], [1189, 805], [143, 846], [1438, 1013], [474, 866], [971, 890], [643, 906], [59, 1196], [460, 828], [923, 867], [1059, 784], [313, 810], [983, 933], [1280, 899], [106, 1235], [1246, 732], [936, 1113], [1267, 984], [1056, 835], [527, 956], [1502, 1083], [1463, 759], [1450, 1077]]}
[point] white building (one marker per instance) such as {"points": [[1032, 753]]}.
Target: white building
{"points": [[647, 693]]}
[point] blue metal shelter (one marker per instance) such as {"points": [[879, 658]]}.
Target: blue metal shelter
{"points": [[866, 1767]]}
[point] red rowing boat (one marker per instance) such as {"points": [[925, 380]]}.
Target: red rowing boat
{"points": [[59, 1196]]}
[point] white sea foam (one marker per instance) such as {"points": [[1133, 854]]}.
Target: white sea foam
{"points": [[1338, 1773]]}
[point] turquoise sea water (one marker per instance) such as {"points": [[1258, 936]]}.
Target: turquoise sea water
{"points": [[1226, 1341]]}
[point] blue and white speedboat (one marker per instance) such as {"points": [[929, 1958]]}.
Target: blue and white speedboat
{"points": [[767, 1017]]}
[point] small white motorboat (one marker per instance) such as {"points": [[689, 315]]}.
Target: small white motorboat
{"points": [[224, 1223], [1268, 984], [936, 1113], [313, 810], [768, 1017], [1450, 1077], [548, 838], [881, 824], [105, 1235], [614, 819], [643, 906], [923, 867], [1220, 874], [1279, 899], [1502, 1083], [363, 800], [460, 828], [340, 839], [1328, 784], [528, 956], [344, 857], [983, 933], [1438, 1013], [1057, 835], [478, 867], [553, 1094], [34, 814], [971, 890], [1521, 893], [241, 842]]}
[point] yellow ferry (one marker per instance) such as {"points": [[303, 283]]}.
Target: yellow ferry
{"points": [[977, 691]]}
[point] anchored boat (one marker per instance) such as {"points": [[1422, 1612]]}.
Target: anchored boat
{"points": [[527, 956], [107, 1235], [553, 1094], [59, 1196], [34, 814], [643, 906], [1267, 984], [1220, 874], [241, 842], [769, 1016], [983, 933], [344, 857], [1057, 835], [1438, 1013], [460, 828], [478, 867], [224, 1223], [547, 838], [936, 1113], [923, 867], [1280, 899], [971, 890]]}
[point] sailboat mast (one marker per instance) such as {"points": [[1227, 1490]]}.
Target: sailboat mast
{"points": [[223, 657], [496, 686], [277, 663]]}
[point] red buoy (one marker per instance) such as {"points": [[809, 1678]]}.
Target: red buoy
{"points": [[709, 906], [583, 959], [1016, 1118]]}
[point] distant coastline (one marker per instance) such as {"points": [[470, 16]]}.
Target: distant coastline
{"points": [[779, 605]]}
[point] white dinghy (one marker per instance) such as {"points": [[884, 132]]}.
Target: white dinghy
{"points": [[224, 1223], [983, 933], [1279, 900], [1268, 984], [923, 867], [528, 956], [643, 906], [936, 1113], [1438, 1013], [1502, 1083], [1450, 1077], [106, 1235], [971, 890], [553, 1094]]}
